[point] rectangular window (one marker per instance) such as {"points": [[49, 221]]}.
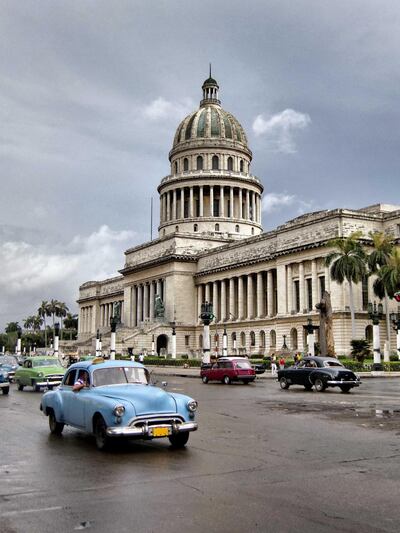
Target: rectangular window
{"points": [[309, 294], [365, 293], [216, 208], [321, 285], [297, 296], [187, 340]]}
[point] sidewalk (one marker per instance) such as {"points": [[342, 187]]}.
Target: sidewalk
{"points": [[195, 373]]}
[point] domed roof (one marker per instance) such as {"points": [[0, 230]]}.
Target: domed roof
{"points": [[210, 121]]}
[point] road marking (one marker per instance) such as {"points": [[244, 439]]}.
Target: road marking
{"points": [[26, 511]]}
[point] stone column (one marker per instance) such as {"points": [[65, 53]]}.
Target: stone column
{"points": [[182, 203], [221, 201], [211, 201], [289, 288], [270, 294], [223, 301], [201, 200], [127, 308], [207, 290], [215, 301], [260, 295], [240, 203], [281, 279], [158, 288], [240, 298], [253, 206], [232, 213], [134, 306], [314, 283], [199, 301], [168, 206], [247, 204], [174, 205], [191, 202], [151, 303], [146, 301], [301, 286], [139, 304], [250, 300], [232, 315]]}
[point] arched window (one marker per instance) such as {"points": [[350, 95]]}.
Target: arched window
{"points": [[216, 227], [241, 165], [272, 338], [176, 167], [186, 164], [368, 333], [243, 339], [237, 228], [199, 162], [195, 227], [262, 339], [252, 231], [252, 339], [176, 228], [215, 162], [230, 163], [200, 341]]}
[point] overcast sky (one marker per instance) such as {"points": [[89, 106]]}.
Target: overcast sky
{"points": [[91, 93]]}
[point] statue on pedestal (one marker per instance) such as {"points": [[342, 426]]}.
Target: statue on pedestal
{"points": [[159, 307]]}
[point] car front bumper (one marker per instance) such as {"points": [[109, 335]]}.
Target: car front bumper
{"points": [[4, 385], [48, 383], [147, 431], [339, 382]]}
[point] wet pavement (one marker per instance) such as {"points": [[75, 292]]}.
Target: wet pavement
{"points": [[263, 460]]}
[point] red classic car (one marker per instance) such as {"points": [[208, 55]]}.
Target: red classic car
{"points": [[228, 369]]}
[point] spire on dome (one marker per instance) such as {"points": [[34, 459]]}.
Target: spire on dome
{"points": [[210, 91]]}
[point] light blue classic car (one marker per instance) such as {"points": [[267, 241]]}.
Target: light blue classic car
{"points": [[114, 399]]}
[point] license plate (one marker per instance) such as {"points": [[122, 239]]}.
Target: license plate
{"points": [[160, 432]]}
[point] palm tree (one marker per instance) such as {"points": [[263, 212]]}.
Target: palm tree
{"points": [[61, 312], [28, 322], [71, 323], [43, 311], [383, 247], [12, 327], [37, 323], [53, 310], [347, 262], [389, 274]]}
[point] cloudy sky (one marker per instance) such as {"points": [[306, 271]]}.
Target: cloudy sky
{"points": [[91, 93]]}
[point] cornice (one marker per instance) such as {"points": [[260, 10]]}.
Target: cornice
{"points": [[158, 261]]}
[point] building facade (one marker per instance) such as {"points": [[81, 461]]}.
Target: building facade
{"points": [[211, 247]]}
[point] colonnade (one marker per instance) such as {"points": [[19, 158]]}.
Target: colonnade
{"points": [[107, 311], [140, 304], [85, 319], [210, 201]]}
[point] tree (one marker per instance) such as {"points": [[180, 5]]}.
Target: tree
{"points": [[28, 322], [12, 327], [71, 323], [389, 274], [383, 247], [360, 349], [347, 262], [53, 310], [62, 312], [43, 311]]}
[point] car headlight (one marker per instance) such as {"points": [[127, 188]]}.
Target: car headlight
{"points": [[119, 410], [40, 374], [192, 405]]}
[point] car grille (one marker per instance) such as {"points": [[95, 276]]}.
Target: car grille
{"points": [[346, 376], [54, 377], [157, 420]]}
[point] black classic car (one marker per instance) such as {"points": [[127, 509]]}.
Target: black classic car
{"points": [[318, 372]]}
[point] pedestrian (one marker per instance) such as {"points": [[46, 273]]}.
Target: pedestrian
{"points": [[282, 363], [141, 357], [273, 364]]}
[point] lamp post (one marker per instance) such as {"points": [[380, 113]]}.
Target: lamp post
{"points": [[225, 343], [309, 329], [19, 335], [173, 347], [113, 324], [395, 319], [100, 345], [152, 346], [375, 313], [56, 338], [97, 343], [206, 316]]}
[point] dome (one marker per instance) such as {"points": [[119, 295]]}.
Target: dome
{"points": [[210, 122]]}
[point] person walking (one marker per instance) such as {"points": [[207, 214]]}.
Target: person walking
{"points": [[282, 363], [273, 365]]}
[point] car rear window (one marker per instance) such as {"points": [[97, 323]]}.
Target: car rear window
{"points": [[332, 363], [243, 364]]}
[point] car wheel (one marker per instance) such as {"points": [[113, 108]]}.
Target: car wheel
{"points": [[227, 380], [20, 386], [345, 388], [319, 385], [179, 440], [56, 428], [102, 441], [6, 390], [284, 383], [35, 387], [204, 379]]}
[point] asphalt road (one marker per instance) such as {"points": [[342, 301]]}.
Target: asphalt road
{"points": [[262, 460]]}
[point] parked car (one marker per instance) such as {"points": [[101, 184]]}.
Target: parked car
{"points": [[10, 364], [4, 381], [318, 372], [259, 368], [38, 372], [119, 400], [228, 369]]}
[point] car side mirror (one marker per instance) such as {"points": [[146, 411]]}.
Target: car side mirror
{"points": [[164, 383]]}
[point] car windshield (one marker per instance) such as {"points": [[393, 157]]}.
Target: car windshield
{"points": [[243, 364], [46, 362], [120, 375], [332, 363], [8, 360]]}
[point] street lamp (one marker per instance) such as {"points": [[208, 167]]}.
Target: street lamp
{"points": [[309, 329], [173, 348], [113, 324], [19, 335], [395, 319], [98, 343], [375, 313], [206, 316], [56, 338]]}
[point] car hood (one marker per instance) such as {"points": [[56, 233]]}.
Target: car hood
{"points": [[46, 370], [144, 398]]}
